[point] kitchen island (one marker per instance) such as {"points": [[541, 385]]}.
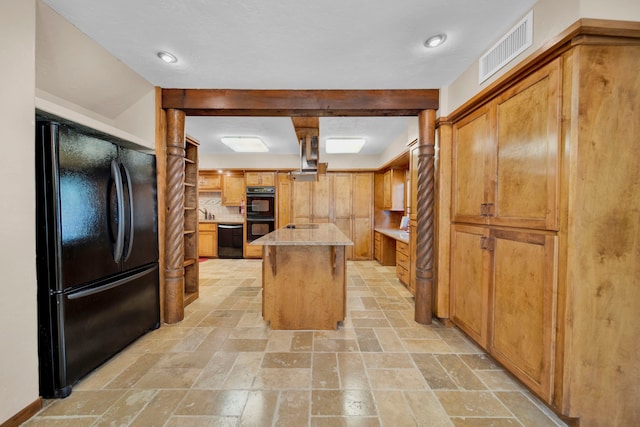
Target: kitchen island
{"points": [[304, 276]]}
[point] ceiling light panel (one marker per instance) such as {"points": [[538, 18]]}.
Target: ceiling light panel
{"points": [[245, 144], [344, 145]]}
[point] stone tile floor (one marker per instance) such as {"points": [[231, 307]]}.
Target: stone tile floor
{"points": [[223, 366]]}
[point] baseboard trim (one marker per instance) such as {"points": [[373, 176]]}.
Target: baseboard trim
{"points": [[24, 414]]}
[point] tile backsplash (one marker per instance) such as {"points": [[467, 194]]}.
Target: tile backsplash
{"points": [[211, 202]]}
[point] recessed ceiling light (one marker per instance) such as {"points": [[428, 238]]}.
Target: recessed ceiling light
{"points": [[167, 57], [435, 41], [344, 145], [245, 144]]}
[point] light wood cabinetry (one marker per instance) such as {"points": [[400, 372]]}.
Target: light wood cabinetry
{"points": [[394, 190], [385, 249], [233, 190], [342, 206], [266, 179], [362, 215], [208, 240], [191, 273], [506, 156], [344, 199], [503, 296], [523, 301], [283, 200], [543, 260], [252, 251], [470, 281], [209, 181], [310, 200], [402, 262]]}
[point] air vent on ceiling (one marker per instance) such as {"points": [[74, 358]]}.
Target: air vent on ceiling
{"points": [[511, 45]]}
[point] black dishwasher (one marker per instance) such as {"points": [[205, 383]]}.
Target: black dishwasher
{"points": [[230, 239]]}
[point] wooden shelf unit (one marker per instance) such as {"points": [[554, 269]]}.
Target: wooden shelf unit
{"points": [[191, 272]]}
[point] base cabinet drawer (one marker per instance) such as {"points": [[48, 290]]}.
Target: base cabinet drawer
{"points": [[403, 274]]}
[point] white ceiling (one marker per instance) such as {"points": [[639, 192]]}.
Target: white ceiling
{"points": [[294, 44]]}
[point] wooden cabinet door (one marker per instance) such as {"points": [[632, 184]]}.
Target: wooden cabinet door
{"points": [[233, 190], [386, 199], [342, 201], [301, 202], [252, 178], [394, 190], [470, 263], [523, 306], [207, 244], [208, 241], [321, 199], [528, 136], [283, 197], [472, 171], [208, 181], [266, 179], [362, 209]]}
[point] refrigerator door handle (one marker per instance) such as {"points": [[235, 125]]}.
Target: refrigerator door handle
{"points": [[117, 178], [127, 176], [111, 285]]}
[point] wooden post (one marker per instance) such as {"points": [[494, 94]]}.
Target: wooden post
{"points": [[174, 230], [425, 217]]}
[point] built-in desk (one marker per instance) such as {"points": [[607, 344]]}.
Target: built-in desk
{"points": [[392, 248], [304, 276]]}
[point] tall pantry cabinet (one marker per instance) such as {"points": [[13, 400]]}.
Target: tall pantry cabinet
{"points": [[344, 199], [545, 223]]}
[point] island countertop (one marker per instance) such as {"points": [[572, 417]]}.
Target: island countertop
{"points": [[324, 234]]}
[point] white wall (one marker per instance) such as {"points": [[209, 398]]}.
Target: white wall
{"points": [[18, 317]]}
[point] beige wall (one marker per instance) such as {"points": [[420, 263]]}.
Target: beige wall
{"points": [[126, 109], [550, 18], [78, 79], [18, 317]]}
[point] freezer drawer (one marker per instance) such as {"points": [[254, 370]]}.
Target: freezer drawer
{"points": [[97, 322]]}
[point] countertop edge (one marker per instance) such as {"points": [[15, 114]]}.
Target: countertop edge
{"points": [[394, 233]]}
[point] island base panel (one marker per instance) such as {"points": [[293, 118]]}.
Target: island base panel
{"points": [[304, 287]]}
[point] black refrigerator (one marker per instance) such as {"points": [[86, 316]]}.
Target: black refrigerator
{"points": [[97, 250]]}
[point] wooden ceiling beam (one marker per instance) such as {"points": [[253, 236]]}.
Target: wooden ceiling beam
{"points": [[301, 103]]}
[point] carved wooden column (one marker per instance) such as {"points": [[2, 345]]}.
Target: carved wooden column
{"points": [[174, 228], [425, 217]]}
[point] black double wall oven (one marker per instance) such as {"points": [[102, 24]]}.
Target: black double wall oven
{"points": [[260, 211]]}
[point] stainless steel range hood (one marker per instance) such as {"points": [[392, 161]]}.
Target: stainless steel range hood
{"points": [[309, 139]]}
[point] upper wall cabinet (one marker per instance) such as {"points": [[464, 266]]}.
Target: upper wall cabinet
{"points": [[506, 156], [267, 179], [209, 181], [233, 190], [394, 182]]}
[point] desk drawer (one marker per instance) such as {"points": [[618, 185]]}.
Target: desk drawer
{"points": [[402, 260], [402, 247], [403, 274]]}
